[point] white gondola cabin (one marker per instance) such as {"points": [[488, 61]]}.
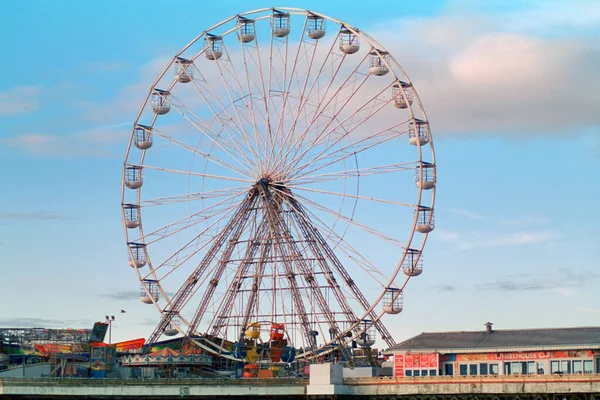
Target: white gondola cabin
{"points": [[418, 132], [142, 137], [131, 213], [315, 26], [160, 101], [183, 70], [402, 93], [425, 175], [349, 42], [379, 61], [367, 335], [173, 325], [149, 291], [246, 30], [214, 46], [425, 222], [280, 24], [133, 177], [393, 300], [413, 263], [137, 255]]}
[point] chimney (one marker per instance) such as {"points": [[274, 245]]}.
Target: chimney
{"points": [[488, 327]]}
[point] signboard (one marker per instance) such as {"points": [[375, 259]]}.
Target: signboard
{"points": [[415, 361], [526, 355], [99, 332], [398, 365]]}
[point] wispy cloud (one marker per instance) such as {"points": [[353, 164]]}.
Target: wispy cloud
{"points": [[19, 99], [590, 310], [97, 142], [34, 215], [472, 215], [124, 295], [444, 288], [474, 240], [563, 282]]}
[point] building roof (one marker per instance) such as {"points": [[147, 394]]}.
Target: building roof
{"points": [[502, 340]]}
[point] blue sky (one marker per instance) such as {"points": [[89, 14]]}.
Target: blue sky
{"points": [[511, 89]]}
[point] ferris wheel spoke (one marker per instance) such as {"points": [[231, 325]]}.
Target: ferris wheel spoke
{"points": [[228, 123], [202, 216], [206, 156], [342, 272], [230, 81], [303, 179], [318, 248], [190, 249], [346, 248], [183, 198], [261, 88], [304, 99], [366, 228], [301, 82], [290, 252], [321, 108], [350, 150], [325, 132], [254, 88], [353, 196], [216, 137], [190, 173]]}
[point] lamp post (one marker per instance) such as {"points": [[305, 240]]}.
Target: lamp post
{"points": [[109, 321]]}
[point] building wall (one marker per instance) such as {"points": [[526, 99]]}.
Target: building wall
{"points": [[497, 363]]}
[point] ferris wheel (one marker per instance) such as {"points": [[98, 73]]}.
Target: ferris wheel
{"points": [[280, 173]]}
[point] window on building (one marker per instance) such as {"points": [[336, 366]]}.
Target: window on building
{"points": [[507, 368], [540, 368], [588, 367], [462, 369], [424, 372], [515, 368], [555, 367], [432, 372], [531, 368], [416, 372], [578, 367], [449, 369], [494, 370], [473, 369], [408, 372], [483, 369], [565, 367]]}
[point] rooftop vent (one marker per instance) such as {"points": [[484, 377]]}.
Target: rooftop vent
{"points": [[488, 327]]}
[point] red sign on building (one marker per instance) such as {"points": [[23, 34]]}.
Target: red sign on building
{"points": [[415, 361], [398, 365]]}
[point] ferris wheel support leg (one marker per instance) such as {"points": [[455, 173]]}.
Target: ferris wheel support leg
{"points": [[224, 309], [225, 259], [185, 292], [383, 332]]}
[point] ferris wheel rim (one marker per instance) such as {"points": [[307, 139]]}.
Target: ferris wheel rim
{"points": [[363, 36]]}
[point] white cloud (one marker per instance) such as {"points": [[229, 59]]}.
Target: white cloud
{"points": [[97, 142], [477, 73], [475, 239], [19, 99]]}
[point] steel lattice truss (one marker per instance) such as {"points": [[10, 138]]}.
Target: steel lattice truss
{"points": [[30, 336], [284, 174]]}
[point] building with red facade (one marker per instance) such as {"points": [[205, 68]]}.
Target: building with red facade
{"points": [[499, 352]]}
